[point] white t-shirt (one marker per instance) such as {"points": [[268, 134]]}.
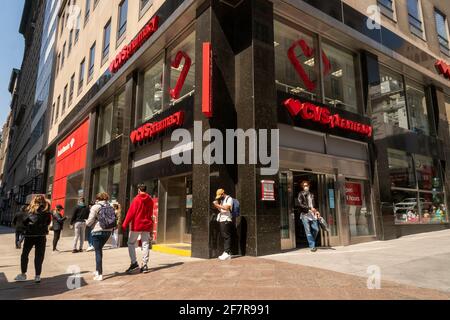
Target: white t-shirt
{"points": [[225, 215]]}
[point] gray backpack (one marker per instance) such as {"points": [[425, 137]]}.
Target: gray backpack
{"points": [[107, 217]]}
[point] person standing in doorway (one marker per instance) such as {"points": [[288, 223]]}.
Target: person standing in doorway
{"points": [[18, 220], [140, 216], [99, 235], [115, 234], [224, 204], [309, 215], [58, 225], [78, 222], [36, 222]]}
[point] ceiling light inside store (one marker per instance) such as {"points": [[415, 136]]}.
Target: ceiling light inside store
{"points": [[338, 73], [275, 44], [297, 90], [310, 62]]}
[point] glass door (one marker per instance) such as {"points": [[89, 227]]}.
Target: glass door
{"points": [[327, 195], [287, 223]]}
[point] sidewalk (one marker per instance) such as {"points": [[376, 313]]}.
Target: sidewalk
{"points": [[181, 278]]}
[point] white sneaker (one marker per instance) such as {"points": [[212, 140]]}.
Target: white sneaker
{"points": [[90, 249], [225, 256], [37, 279], [21, 277], [98, 278]]}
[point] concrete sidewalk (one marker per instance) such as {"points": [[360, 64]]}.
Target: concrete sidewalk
{"points": [[421, 260], [182, 278]]}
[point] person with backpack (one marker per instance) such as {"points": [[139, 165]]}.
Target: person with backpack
{"points": [[36, 222], [140, 216], [57, 225], [18, 219], [78, 221], [102, 220], [224, 203]]}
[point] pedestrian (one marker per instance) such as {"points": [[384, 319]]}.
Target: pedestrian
{"points": [[100, 232], [78, 222], [224, 204], [57, 225], [36, 224], [89, 233], [115, 234], [140, 216], [18, 219], [309, 215]]}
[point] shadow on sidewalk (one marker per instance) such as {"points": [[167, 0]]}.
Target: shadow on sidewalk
{"points": [[49, 287], [6, 230], [150, 270]]}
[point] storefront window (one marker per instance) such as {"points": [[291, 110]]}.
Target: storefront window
{"points": [[110, 120], [428, 176], [152, 92], [295, 70], [115, 181], [388, 101], [107, 179], [447, 109], [401, 169], [339, 78], [182, 71], [417, 107], [406, 209], [359, 209], [432, 208]]}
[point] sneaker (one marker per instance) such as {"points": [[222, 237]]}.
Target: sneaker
{"points": [[75, 251], [81, 250], [313, 249], [37, 279], [90, 249], [98, 277], [133, 267], [144, 269], [225, 256], [21, 277]]}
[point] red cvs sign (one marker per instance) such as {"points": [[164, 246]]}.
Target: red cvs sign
{"points": [[353, 195], [322, 115], [443, 68], [150, 130], [128, 51]]}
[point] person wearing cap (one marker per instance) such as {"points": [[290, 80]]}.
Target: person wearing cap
{"points": [[224, 204], [58, 225]]}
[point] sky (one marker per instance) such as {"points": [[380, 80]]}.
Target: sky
{"points": [[11, 53]]}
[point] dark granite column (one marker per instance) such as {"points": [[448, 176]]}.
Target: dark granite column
{"points": [[89, 154]]}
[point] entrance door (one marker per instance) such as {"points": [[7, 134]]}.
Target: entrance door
{"points": [[287, 215], [74, 190]]}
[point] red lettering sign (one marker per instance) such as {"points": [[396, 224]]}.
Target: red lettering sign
{"points": [[150, 130], [443, 68], [175, 92], [207, 108], [322, 115], [127, 52], [353, 195]]}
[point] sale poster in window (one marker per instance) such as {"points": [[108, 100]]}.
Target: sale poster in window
{"points": [[353, 194]]}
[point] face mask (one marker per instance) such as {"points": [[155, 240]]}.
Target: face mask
{"points": [[306, 189]]}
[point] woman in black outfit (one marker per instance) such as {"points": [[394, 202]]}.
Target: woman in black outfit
{"points": [[58, 225], [36, 229]]}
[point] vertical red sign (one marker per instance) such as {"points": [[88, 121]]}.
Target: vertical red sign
{"points": [[207, 107], [155, 216], [353, 195]]}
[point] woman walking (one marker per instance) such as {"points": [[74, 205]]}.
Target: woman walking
{"points": [[57, 225], [100, 213], [36, 229]]}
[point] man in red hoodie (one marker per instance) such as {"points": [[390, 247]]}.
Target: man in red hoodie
{"points": [[140, 215]]}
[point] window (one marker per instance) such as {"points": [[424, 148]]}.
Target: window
{"points": [[91, 62], [71, 88], [88, 11], [64, 100], [58, 61], [152, 92], [107, 179], [123, 12], [186, 51], [58, 104], [415, 18], [144, 5], [81, 75], [110, 120], [442, 31], [295, 47], [77, 28], [63, 54], [339, 78], [53, 113], [417, 108], [70, 42], [387, 8], [416, 188], [358, 208], [106, 40]]}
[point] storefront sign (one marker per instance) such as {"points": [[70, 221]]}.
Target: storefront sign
{"points": [[207, 107], [312, 112], [353, 194], [267, 190], [175, 92], [150, 130], [443, 68], [155, 219], [66, 148], [127, 52]]}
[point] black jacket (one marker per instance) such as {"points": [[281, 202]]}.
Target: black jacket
{"points": [[303, 201], [58, 221], [19, 219], [37, 224], [80, 214]]}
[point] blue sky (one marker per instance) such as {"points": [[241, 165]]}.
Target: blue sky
{"points": [[12, 49]]}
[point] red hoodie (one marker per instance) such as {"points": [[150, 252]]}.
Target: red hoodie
{"points": [[140, 214]]}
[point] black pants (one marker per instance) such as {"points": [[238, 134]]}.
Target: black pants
{"points": [[39, 252], [226, 232], [56, 236]]}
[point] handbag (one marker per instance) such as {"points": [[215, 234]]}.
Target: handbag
{"points": [[323, 224]]}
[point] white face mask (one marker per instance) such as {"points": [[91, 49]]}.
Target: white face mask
{"points": [[306, 189]]}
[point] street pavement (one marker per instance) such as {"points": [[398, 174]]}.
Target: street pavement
{"points": [[182, 278]]}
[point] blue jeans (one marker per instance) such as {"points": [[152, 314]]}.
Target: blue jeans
{"points": [[89, 236], [311, 230], [99, 240]]}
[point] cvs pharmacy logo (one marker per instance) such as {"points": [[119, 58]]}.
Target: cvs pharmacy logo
{"points": [[67, 147]]}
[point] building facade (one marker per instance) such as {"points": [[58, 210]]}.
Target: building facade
{"points": [[358, 91]]}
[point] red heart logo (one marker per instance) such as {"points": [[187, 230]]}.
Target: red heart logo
{"points": [[175, 92], [293, 106]]}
